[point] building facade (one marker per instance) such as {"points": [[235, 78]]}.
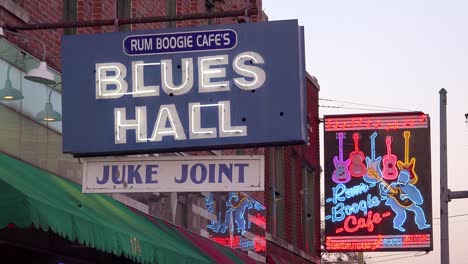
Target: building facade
{"points": [[288, 215]]}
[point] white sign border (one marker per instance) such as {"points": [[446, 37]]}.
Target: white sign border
{"points": [[231, 158]]}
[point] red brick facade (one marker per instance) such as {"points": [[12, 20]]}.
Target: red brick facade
{"points": [[50, 11], [42, 11], [303, 157]]}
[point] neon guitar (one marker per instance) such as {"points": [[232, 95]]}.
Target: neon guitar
{"points": [[409, 166], [373, 162], [341, 173], [357, 168], [389, 160], [395, 193]]}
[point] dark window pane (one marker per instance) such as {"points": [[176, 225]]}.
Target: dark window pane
{"points": [[277, 175], [311, 218]]}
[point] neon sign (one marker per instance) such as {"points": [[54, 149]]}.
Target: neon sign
{"points": [[259, 220], [184, 89], [376, 199], [240, 221], [341, 173], [373, 122], [353, 224], [378, 242], [406, 164], [257, 244], [340, 193]]}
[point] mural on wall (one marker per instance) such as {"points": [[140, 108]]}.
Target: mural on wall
{"points": [[240, 221], [376, 197]]}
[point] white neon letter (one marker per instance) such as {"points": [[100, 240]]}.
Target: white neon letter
{"points": [[196, 131], [206, 73], [122, 124], [224, 118], [168, 113], [167, 77], [139, 88], [242, 67], [104, 80]]}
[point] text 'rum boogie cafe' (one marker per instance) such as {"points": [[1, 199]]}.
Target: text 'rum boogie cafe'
{"points": [[136, 93]]}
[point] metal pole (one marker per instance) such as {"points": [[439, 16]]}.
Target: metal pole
{"points": [[457, 194], [139, 20], [360, 258], [444, 197]]}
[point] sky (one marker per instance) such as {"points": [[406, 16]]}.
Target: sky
{"points": [[395, 54]]}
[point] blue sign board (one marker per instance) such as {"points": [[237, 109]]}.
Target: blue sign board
{"points": [[209, 87]]}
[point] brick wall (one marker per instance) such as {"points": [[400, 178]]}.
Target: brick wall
{"points": [[313, 151], [301, 156], [49, 11], [40, 11], [146, 8], [95, 10], [277, 254]]}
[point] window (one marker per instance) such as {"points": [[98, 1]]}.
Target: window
{"points": [[70, 14], [171, 11], [277, 192], [310, 218], [182, 210], [124, 10]]}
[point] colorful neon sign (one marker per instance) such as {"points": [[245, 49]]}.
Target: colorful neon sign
{"points": [[378, 199], [378, 242], [240, 221], [257, 244], [373, 122]]}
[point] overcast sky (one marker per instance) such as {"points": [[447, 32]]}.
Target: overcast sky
{"points": [[398, 54]]}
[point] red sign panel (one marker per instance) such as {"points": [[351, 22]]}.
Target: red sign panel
{"points": [[378, 182]]}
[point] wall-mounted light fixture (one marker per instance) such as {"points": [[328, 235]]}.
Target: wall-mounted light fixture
{"points": [[9, 93], [48, 114], [41, 73]]}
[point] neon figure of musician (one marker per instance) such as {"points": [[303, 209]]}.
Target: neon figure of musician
{"points": [[399, 192]]}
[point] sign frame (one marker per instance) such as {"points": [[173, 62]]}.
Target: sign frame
{"points": [[161, 175], [119, 104], [374, 199]]}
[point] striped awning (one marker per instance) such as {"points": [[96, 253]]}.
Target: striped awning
{"points": [[32, 197]]}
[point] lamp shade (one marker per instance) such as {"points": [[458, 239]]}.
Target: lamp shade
{"points": [[48, 114], [8, 93], [41, 74]]}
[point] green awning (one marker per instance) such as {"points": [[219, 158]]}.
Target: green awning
{"points": [[30, 196]]}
